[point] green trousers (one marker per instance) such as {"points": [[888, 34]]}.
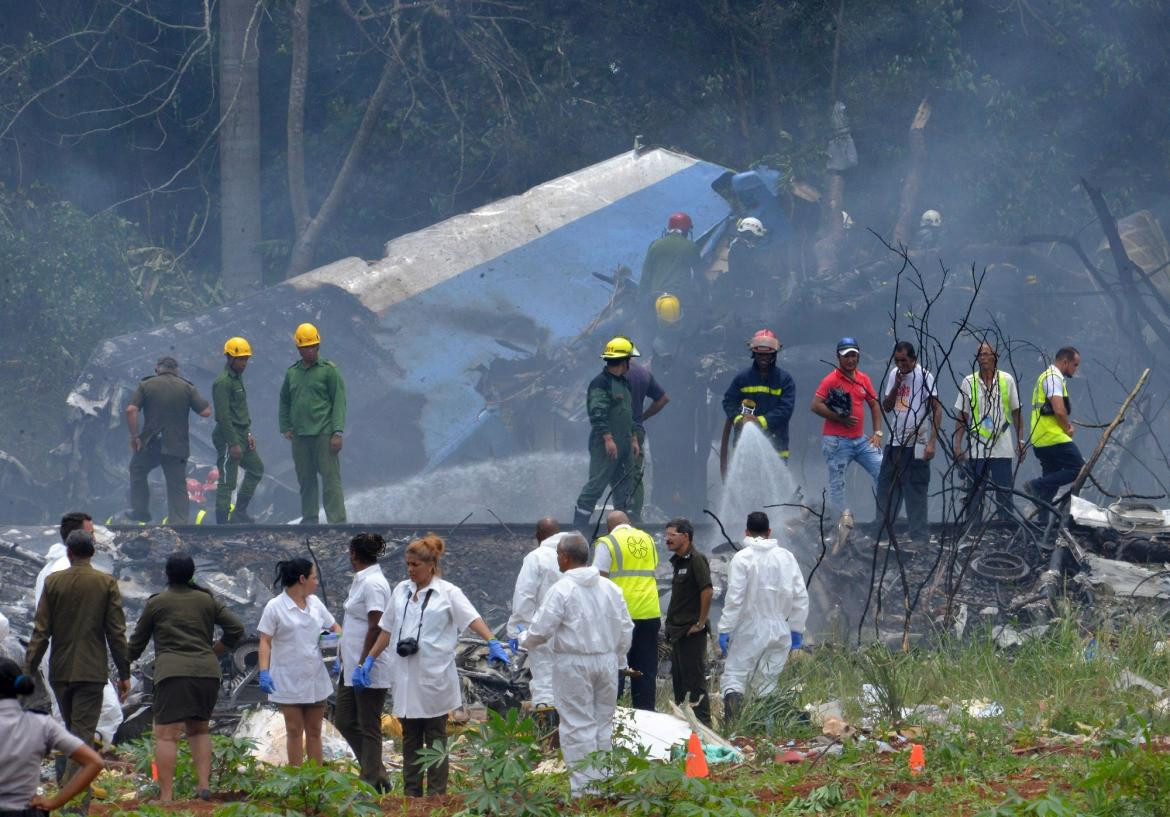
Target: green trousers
{"points": [[174, 471], [81, 708], [604, 472], [638, 477], [312, 457], [229, 471]]}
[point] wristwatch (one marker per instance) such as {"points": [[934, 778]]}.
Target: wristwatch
{"points": [[879, 433]]}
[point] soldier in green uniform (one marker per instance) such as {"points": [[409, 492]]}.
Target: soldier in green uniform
{"points": [[235, 447], [612, 438], [312, 416], [165, 398]]}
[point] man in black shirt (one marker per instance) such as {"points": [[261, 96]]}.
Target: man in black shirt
{"points": [[686, 618]]}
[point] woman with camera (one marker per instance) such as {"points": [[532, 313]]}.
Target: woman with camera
{"points": [[291, 669], [424, 619], [182, 621], [358, 714]]}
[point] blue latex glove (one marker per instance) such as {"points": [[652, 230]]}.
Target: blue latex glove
{"points": [[361, 675], [797, 640], [514, 645], [723, 639], [266, 683], [496, 653], [336, 671]]}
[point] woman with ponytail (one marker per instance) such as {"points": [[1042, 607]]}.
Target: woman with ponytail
{"points": [[28, 737], [182, 621]]}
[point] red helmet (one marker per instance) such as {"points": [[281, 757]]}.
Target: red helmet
{"points": [[680, 221], [764, 339]]}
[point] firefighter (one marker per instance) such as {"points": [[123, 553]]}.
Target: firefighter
{"points": [[763, 394], [672, 265], [612, 437], [312, 417], [235, 447]]}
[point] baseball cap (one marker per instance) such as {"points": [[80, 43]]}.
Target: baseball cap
{"points": [[847, 345]]}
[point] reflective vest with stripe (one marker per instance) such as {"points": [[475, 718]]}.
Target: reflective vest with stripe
{"points": [[632, 560], [981, 423], [1046, 429]]}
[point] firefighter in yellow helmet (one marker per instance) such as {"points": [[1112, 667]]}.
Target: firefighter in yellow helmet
{"points": [[235, 447], [312, 417], [611, 432]]}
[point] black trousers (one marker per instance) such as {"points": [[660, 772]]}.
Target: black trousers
{"points": [[358, 717], [417, 733], [688, 672], [643, 656]]}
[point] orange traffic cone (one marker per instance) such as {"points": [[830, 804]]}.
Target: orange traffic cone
{"points": [[917, 759], [696, 758]]}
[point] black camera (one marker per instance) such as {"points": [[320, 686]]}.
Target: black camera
{"points": [[406, 647]]}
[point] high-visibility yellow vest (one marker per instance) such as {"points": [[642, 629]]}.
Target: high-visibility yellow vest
{"points": [[632, 560], [1046, 429], [977, 421]]}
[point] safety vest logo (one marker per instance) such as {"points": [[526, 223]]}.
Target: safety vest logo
{"points": [[639, 547]]}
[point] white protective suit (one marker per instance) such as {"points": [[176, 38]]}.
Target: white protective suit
{"points": [[585, 621], [765, 601], [111, 717], [538, 573]]}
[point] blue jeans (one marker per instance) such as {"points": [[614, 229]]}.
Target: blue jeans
{"points": [[839, 452], [903, 478], [991, 474]]}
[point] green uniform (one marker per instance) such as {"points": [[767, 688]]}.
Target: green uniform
{"points": [[610, 409], [182, 621], [80, 614], [312, 407], [672, 265], [164, 399], [233, 426]]}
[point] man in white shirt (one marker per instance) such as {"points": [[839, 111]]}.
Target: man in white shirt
{"points": [[1052, 429], [585, 620], [914, 415], [987, 408], [538, 573]]}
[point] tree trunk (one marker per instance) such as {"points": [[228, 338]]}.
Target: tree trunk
{"points": [[241, 271], [913, 180], [298, 81], [302, 252]]}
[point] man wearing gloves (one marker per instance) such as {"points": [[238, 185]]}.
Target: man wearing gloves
{"points": [[538, 573], [764, 613], [585, 620]]}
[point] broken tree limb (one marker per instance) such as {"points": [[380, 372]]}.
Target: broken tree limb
{"points": [[1088, 466], [913, 180]]}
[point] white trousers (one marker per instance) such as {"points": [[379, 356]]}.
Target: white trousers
{"points": [[752, 666], [585, 693], [540, 663]]}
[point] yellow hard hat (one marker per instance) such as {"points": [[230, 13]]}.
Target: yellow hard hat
{"points": [[237, 347], [618, 349], [306, 335], [668, 308]]}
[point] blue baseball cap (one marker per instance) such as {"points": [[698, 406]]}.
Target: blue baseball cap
{"points": [[847, 345]]}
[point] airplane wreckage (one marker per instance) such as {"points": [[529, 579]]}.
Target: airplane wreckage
{"points": [[472, 341]]}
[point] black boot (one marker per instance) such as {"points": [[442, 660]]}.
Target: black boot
{"points": [[222, 518], [240, 513], [732, 704], [581, 520]]}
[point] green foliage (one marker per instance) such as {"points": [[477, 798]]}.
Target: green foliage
{"points": [[150, 810], [646, 788], [821, 800], [311, 790], [774, 714], [233, 768], [500, 755]]}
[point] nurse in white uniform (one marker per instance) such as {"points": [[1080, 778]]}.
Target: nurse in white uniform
{"points": [[292, 671], [423, 622]]}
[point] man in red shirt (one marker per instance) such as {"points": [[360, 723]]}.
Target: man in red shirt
{"points": [[840, 399]]}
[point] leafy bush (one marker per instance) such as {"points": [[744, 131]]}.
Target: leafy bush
{"points": [[233, 768], [311, 790]]}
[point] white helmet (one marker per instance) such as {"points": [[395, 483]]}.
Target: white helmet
{"points": [[846, 220], [752, 225], [931, 218]]}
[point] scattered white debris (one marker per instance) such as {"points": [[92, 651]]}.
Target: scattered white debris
{"points": [[266, 728]]}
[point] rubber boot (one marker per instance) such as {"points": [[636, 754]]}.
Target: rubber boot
{"points": [[581, 520], [240, 513], [732, 704], [222, 518]]}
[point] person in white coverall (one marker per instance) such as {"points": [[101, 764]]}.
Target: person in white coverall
{"points": [[585, 620], [55, 562], [538, 573], [764, 613]]}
